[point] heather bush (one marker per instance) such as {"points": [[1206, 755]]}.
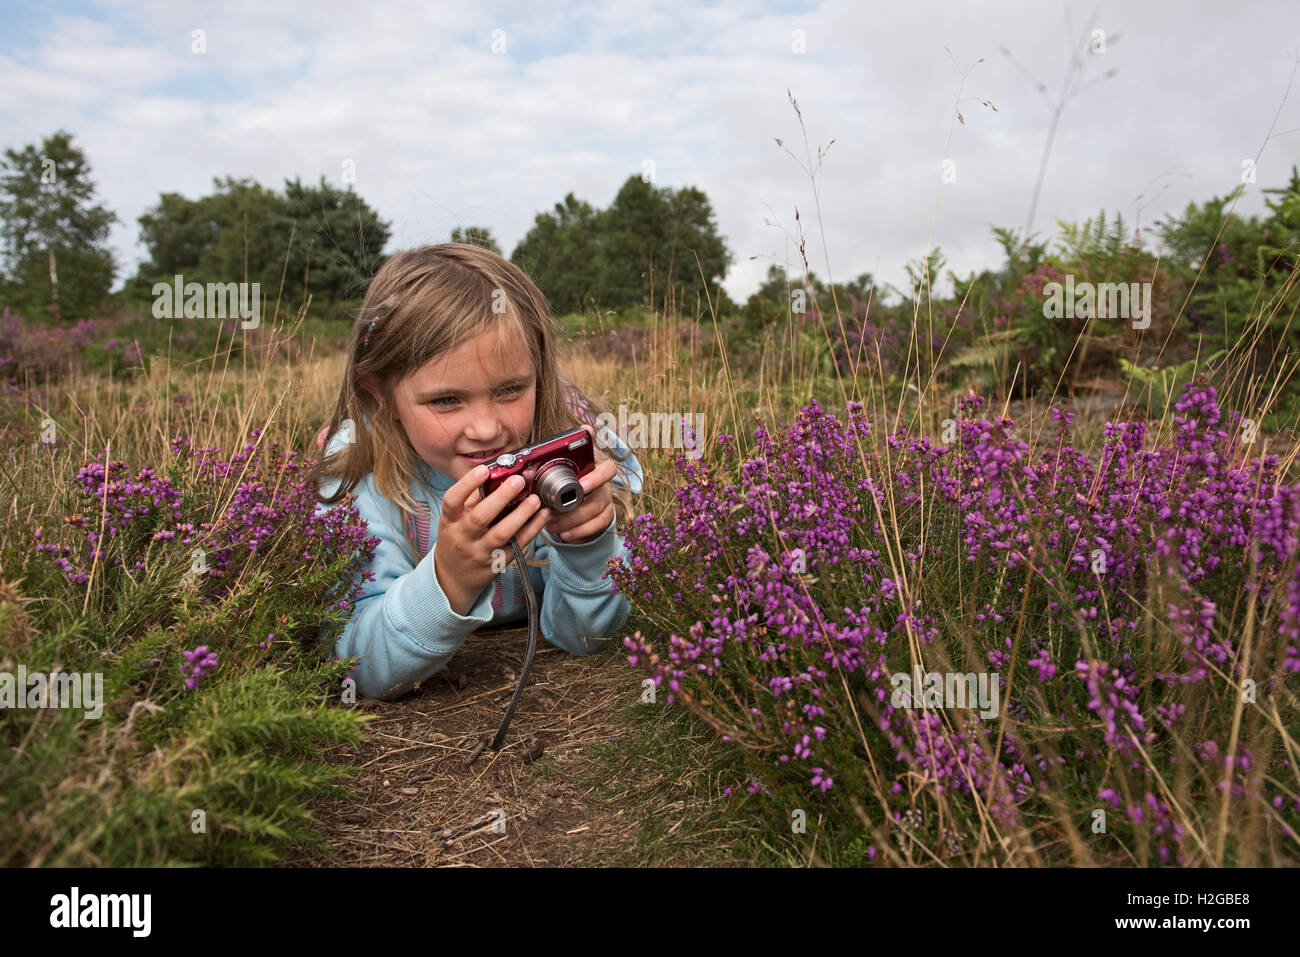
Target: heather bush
{"points": [[886, 346], [207, 590], [1140, 607], [32, 352]]}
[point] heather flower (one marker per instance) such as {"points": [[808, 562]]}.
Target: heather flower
{"points": [[199, 662], [792, 581], [1043, 665]]}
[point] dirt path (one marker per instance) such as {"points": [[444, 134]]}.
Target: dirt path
{"points": [[419, 804]]}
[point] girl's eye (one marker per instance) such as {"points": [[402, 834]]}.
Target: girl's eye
{"points": [[447, 401]]}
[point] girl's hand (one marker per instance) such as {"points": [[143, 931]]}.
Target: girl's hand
{"points": [[589, 520], [470, 551]]}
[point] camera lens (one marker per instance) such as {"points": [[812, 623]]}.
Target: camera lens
{"points": [[559, 489]]}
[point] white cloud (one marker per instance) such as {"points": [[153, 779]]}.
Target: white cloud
{"points": [[443, 132]]}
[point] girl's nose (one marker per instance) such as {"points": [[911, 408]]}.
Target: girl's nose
{"points": [[485, 427]]}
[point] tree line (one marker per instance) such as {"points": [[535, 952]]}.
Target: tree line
{"points": [[656, 246], [652, 246]]}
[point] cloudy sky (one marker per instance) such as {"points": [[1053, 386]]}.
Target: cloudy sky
{"points": [[472, 113]]}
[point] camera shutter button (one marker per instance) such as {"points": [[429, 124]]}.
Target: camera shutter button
{"points": [[506, 459]]}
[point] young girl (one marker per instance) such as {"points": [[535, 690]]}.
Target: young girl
{"points": [[452, 361]]}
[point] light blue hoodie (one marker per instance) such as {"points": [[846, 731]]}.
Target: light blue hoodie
{"points": [[403, 627]]}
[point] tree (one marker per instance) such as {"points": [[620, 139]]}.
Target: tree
{"points": [[176, 233], [322, 240], [561, 254], [770, 302], [1279, 249], [579, 256], [659, 233], [54, 234], [338, 240], [631, 232], [229, 236], [476, 236], [777, 296]]}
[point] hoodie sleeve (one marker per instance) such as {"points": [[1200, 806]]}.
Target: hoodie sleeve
{"points": [[580, 609], [402, 626]]}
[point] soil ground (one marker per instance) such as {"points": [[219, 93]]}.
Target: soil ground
{"points": [[419, 804]]}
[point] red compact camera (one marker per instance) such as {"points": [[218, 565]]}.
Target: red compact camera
{"points": [[551, 468]]}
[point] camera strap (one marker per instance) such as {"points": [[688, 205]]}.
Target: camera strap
{"points": [[530, 598]]}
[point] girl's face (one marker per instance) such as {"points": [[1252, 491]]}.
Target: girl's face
{"points": [[469, 404]]}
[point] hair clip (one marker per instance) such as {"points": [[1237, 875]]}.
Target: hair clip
{"points": [[366, 338]]}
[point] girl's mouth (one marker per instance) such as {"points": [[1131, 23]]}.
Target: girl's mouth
{"points": [[484, 457]]}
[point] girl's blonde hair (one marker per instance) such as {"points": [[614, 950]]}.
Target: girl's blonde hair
{"points": [[422, 304]]}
